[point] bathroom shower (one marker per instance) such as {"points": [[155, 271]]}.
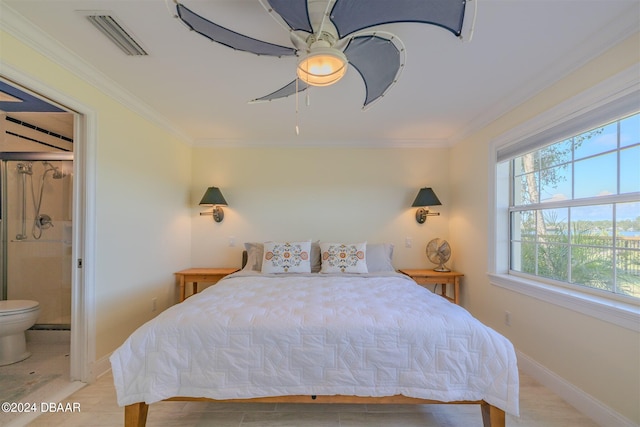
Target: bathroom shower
{"points": [[41, 221], [37, 224]]}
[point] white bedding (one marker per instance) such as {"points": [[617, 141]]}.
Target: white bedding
{"points": [[255, 335]]}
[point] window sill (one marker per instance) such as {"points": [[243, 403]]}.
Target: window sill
{"points": [[618, 313]]}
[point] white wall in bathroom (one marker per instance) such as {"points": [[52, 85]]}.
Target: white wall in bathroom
{"points": [[39, 261]]}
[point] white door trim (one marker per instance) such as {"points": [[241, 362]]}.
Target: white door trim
{"points": [[83, 313]]}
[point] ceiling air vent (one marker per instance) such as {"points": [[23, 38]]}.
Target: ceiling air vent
{"points": [[110, 27]]}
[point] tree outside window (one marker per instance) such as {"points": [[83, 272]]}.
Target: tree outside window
{"points": [[575, 209]]}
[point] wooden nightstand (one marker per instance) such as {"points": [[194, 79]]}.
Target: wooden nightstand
{"points": [[430, 277], [195, 275]]}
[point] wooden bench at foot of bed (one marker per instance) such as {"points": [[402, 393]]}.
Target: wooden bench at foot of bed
{"points": [[135, 415]]}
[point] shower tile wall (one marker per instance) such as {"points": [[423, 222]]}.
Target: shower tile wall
{"points": [[40, 269]]}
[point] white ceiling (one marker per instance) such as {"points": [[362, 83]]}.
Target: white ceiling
{"points": [[447, 90]]}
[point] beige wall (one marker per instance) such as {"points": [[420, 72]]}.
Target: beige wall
{"points": [[597, 357], [142, 221], [329, 194], [142, 175]]}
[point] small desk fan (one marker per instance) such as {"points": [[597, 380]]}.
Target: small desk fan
{"points": [[439, 252]]}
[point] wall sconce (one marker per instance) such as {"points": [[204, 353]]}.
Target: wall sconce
{"points": [[425, 198], [213, 197]]}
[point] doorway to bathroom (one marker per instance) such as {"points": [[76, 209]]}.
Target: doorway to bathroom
{"points": [[42, 222], [37, 223], [54, 135]]}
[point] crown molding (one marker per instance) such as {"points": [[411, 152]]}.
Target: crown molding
{"points": [[626, 82], [23, 30], [15, 24], [302, 142], [618, 30]]}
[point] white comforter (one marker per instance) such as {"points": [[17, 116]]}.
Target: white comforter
{"points": [[316, 334]]}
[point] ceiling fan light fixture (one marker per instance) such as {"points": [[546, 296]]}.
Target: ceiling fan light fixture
{"points": [[323, 66]]}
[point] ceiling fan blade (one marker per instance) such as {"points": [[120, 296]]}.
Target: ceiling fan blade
{"points": [[283, 92], [353, 15], [294, 12], [228, 37], [377, 60]]}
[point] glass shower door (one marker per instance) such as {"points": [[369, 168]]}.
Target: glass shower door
{"points": [[37, 207]]}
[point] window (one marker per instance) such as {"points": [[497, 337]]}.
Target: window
{"points": [[566, 202], [574, 209]]}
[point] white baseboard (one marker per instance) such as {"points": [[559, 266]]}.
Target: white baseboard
{"points": [[48, 336], [583, 402], [101, 366]]}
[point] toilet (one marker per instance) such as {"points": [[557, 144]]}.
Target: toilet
{"points": [[16, 316]]}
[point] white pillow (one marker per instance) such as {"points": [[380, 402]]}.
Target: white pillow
{"points": [[379, 257], [287, 257], [343, 257]]}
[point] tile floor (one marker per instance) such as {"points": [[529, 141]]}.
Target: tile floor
{"points": [[98, 407], [539, 407], [44, 376]]}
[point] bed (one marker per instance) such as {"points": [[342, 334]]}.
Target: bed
{"points": [[317, 337]]}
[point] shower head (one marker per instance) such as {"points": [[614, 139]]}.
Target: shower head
{"points": [[57, 173]]}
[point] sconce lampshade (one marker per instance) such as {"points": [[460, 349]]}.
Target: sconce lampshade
{"points": [[213, 196], [426, 197]]}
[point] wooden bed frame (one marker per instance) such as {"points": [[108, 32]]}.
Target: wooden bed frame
{"points": [[135, 415]]}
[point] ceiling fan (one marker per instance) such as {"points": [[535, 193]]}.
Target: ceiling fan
{"points": [[328, 35]]}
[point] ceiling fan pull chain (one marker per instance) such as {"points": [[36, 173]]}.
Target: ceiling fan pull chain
{"points": [[297, 128]]}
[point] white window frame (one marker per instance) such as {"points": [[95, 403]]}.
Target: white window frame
{"points": [[609, 100]]}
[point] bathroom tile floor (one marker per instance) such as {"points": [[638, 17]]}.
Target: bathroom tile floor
{"points": [[40, 378]]}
